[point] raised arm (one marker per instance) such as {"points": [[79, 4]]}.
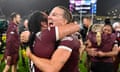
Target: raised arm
{"points": [[68, 29], [112, 53], [62, 31]]}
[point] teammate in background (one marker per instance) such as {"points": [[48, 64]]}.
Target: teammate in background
{"points": [[102, 49], [12, 43]]}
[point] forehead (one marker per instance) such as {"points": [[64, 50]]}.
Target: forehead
{"points": [[18, 15], [86, 19], [107, 28], [57, 10]]}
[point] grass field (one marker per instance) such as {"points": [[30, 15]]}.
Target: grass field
{"points": [[22, 68]]}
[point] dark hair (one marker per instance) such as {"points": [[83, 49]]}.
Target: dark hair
{"points": [[34, 24], [13, 15], [107, 21], [67, 14]]}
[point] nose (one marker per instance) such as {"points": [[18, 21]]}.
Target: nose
{"points": [[49, 19], [50, 22], [107, 31]]}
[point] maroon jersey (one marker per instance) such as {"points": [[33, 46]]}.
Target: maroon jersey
{"points": [[106, 45], [72, 44], [44, 44], [12, 41], [12, 44]]}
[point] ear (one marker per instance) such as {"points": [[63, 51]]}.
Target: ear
{"points": [[66, 21]]}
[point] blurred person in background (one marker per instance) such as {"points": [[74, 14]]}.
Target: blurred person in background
{"points": [[12, 43], [84, 31], [86, 27], [23, 27], [116, 27], [101, 49]]}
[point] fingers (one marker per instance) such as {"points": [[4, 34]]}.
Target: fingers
{"points": [[24, 36], [92, 52], [100, 53], [28, 51]]}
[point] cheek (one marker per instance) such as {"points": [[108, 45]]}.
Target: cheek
{"points": [[117, 27], [58, 21], [18, 19]]}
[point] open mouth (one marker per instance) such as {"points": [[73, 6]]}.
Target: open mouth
{"points": [[50, 23]]}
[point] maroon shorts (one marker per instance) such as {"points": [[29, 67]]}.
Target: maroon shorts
{"points": [[12, 59], [11, 56]]}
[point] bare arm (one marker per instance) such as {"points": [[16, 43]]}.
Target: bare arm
{"points": [[62, 32], [114, 52], [54, 64], [68, 29], [90, 50], [81, 49]]}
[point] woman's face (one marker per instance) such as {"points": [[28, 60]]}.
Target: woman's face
{"points": [[86, 22], [107, 29], [56, 17]]}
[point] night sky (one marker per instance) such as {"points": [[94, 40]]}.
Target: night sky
{"points": [[24, 7]]}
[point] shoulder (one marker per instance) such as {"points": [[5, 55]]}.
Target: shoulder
{"points": [[11, 27], [91, 34], [68, 38], [113, 36], [70, 42]]}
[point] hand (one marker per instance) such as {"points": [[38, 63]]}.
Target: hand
{"points": [[92, 52], [24, 36], [88, 43], [28, 52]]}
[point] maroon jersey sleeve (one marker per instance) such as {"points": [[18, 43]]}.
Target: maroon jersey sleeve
{"points": [[69, 43]]}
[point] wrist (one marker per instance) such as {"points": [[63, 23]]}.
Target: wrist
{"points": [[30, 55]]}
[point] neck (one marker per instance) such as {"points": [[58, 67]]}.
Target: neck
{"points": [[14, 22], [43, 28]]}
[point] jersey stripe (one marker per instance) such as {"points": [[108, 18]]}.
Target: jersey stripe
{"points": [[65, 47]]}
